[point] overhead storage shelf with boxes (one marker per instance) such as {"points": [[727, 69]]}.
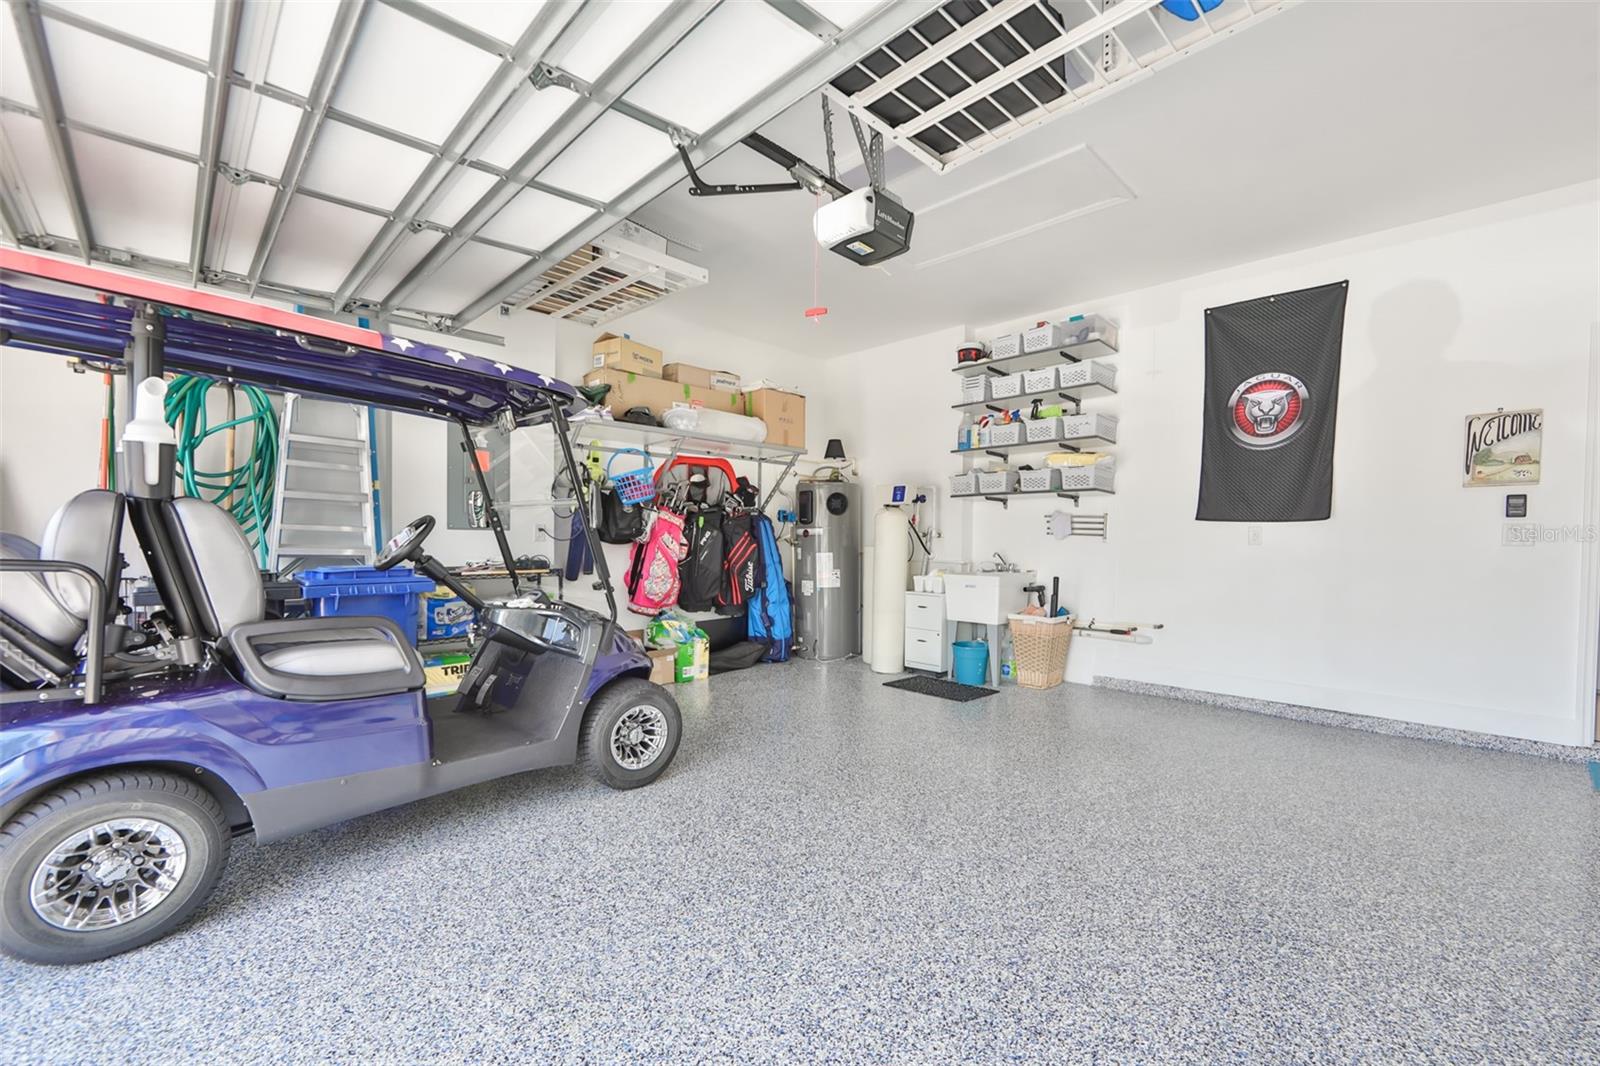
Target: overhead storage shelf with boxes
{"points": [[664, 410], [1032, 385]]}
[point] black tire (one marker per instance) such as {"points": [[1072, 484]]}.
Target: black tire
{"points": [[621, 698], [77, 806]]}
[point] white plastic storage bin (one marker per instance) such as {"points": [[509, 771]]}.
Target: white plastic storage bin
{"points": [[1088, 372], [1088, 329], [1005, 386], [1036, 480], [963, 484], [975, 387], [1089, 425], [1043, 338], [1101, 476], [1042, 380], [1005, 347], [997, 480], [1042, 429], [1010, 433]]}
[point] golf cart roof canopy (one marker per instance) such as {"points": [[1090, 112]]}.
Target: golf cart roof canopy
{"points": [[229, 339]]}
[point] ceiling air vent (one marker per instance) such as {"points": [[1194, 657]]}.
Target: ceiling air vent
{"points": [[974, 74], [618, 273]]}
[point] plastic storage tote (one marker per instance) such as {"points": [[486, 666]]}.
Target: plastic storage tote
{"points": [[997, 480], [1036, 480], [1039, 429], [1005, 386], [1097, 333], [1087, 373], [1005, 347], [363, 590], [1005, 434]]}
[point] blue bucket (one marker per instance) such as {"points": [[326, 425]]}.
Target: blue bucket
{"points": [[972, 662]]}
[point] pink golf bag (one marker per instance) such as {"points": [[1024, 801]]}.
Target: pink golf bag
{"points": [[652, 580]]}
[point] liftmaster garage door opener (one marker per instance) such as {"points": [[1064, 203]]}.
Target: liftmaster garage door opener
{"points": [[866, 226]]}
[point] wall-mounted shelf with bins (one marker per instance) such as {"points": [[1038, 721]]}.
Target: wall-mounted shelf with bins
{"points": [[1003, 498], [1062, 373], [1016, 364], [1007, 403], [1061, 444]]}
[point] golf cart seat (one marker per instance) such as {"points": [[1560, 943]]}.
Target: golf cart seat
{"points": [[297, 658], [46, 614]]}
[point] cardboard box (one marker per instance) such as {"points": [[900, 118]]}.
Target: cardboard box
{"points": [[663, 665], [442, 673], [639, 390], [691, 661], [625, 353], [783, 412], [688, 374]]}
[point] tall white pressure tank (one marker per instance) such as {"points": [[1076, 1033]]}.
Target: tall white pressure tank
{"points": [[891, 573]]}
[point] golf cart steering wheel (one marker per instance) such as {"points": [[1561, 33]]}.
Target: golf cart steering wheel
{"points": [[405, 545]]}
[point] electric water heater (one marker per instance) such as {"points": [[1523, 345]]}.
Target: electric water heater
{"points": [[827, 565]]}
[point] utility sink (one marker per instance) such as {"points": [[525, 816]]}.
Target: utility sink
{"points": [[986, 598]]}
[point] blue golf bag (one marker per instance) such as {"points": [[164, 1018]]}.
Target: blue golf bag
{"points": [[770, 617]]}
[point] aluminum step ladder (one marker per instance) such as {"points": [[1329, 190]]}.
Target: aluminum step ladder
{"points": [[322, 501]]}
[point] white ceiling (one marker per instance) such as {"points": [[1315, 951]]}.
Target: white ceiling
{"points": [[312, 149], [1328, 120]]}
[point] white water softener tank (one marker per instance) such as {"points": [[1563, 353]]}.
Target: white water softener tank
{"points": [[827, 564]]}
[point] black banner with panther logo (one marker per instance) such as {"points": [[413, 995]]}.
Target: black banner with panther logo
{"points": [[1272, 394]]}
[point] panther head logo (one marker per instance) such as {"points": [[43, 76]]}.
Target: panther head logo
{"points": [[1268, 409]]}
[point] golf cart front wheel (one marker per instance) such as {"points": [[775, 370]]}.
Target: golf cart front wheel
{"points": [[107, 863], [630, 733]]}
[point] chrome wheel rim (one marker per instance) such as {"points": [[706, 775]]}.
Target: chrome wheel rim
{"points": [[639, 737], [108, 874]]}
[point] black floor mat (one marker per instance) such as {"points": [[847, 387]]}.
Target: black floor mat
{"points": [[945, 690]]}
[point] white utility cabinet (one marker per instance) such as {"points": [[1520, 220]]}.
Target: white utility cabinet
{"points": [[928, 633]]}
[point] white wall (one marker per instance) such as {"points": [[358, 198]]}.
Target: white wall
{"points": [[49, 436], [1405, 604]]}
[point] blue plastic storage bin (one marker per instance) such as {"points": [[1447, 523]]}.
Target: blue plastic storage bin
{"points": [[350, 590]]}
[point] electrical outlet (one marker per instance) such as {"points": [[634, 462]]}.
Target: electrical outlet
{"points": [[1253, 536]]}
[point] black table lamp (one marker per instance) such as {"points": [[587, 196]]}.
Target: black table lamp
{"points": [[834, 450]]}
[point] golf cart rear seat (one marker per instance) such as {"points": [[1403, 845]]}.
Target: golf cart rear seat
{"points": [[44, 615], [299, 658]]}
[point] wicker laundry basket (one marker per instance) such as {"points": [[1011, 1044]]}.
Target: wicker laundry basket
{"points": [[1040, 645]]}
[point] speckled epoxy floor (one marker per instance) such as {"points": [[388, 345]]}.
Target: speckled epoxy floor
{"points": [[834, 871]]}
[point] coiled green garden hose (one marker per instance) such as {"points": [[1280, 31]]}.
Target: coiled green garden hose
{"points": [[244, 490]]}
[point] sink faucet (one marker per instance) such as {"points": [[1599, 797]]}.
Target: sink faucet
{"points": [[1004, 566]]}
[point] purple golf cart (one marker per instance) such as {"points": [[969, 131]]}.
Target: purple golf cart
{"points": [[130, 756]]}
